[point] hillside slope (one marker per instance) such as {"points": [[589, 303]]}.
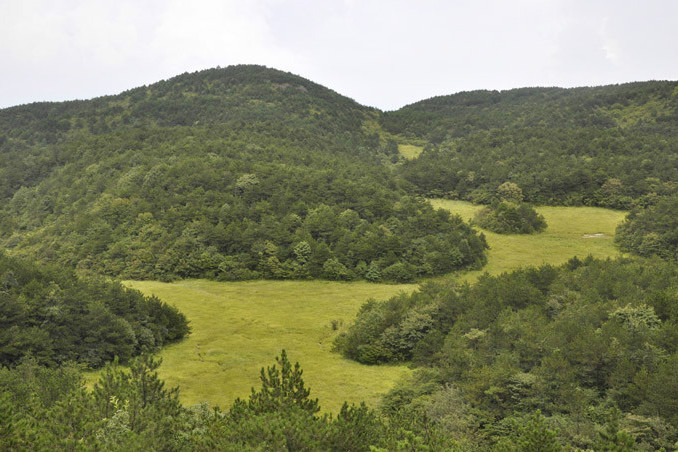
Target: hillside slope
{"points": [[607, 146], [234, 173]]}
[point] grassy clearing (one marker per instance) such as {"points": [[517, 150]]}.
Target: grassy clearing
{"points": [[565, 237], [240, 327], [410, 151]]}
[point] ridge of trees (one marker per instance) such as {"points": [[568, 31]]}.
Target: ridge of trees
{"points": [[131, 409], [610, 146]]}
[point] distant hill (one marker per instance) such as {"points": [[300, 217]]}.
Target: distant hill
{"points": [[641, 105], [234, 173], [239, 96], [607, 146]]}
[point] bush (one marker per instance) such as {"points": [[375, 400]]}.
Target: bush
{"points": [[510, 218], [399, 272]]}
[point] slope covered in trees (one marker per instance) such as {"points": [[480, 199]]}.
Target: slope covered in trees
{"points": [[612, 146], [56, 317], [232, 173], [652, 231], [588, 341]]}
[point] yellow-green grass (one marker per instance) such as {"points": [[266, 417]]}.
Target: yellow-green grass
{"points": [[239, 327], [410, 151], [571, 231]]}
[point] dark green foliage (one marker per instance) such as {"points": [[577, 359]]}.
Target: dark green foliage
{"points": [[612, 146], [54, 316], [652, 230], [356, 428], [509, 218], [571, 341], [229, 174], [530, 434]]}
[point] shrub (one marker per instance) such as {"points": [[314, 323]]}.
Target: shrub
{"points": [[510, 218]]}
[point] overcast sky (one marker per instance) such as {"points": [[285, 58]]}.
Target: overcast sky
{"points": [[383, 53]]}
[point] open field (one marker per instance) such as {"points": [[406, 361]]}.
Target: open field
{"points": [[240, 327], [572, 231]]}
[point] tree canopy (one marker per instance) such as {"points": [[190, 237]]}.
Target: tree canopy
{"points": [[55, 317]]}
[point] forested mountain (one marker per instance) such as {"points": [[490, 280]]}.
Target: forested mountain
{"points": [[613, 146], [248, 172], [232, 173]]}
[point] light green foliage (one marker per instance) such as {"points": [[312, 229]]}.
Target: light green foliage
{"points": [[302, 251], [637, 317], [6, 422], [508, 191], [410, 151], [530, 435]]}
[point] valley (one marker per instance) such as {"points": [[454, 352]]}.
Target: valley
{"points": [[248, 210], [238, 326]]}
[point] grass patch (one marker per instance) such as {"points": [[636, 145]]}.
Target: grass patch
{"points": [[410, 151], [240, 327], [571, 231]]}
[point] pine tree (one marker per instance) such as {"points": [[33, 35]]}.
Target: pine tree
{"points": [[282, 388]]}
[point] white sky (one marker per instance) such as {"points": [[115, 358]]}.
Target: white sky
{"points": [[383, 53]]}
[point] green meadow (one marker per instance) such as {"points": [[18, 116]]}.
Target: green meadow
{"points": [[239, 327], [571, 231]]}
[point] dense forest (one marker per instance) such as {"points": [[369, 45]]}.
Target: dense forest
{"points": [[236, 173], [611, 146], [55, 317], [652, 231], [584, 344], [247, 172]]}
